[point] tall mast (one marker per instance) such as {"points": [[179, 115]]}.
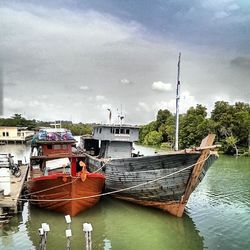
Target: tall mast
{"points": [[177, 105]]}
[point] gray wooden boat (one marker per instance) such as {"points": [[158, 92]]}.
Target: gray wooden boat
{"points": [[163, 181]]}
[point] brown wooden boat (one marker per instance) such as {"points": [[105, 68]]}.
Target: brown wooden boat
{"points": [[58, 179]]}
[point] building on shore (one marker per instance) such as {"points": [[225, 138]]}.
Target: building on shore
{"points": [[15, 134]]}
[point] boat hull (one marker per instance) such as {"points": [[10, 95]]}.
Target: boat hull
{"points": [[64, 193], [143, 179]]}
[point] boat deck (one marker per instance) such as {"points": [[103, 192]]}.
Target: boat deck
{"points": [[35, 172], [11, 201]]}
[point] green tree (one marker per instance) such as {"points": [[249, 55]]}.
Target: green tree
{"points": [[232, 120], [168, 129], [162, 117], [153, 138], [194, 126], [79, 129], [144, 130]]}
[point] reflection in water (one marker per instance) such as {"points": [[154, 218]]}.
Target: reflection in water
{"points": [[118, 225], [14, 235], [220, 207]]}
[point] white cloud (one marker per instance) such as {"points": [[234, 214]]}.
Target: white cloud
{"points": [[142, 106], [161, 86], [186, 101], [126, 81], [84, 88], [106, 106], [10, 103], [170, 105], [100, 98], [43, 97]]}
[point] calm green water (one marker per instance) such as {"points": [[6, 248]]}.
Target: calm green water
{"points": [[217, 217]]}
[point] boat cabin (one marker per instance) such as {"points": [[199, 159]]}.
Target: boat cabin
{"points": [[51, 144], [114, 141], [50, 148]]}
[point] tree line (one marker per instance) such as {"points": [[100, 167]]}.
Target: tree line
{"points": [[18, 121], [230, 123]]}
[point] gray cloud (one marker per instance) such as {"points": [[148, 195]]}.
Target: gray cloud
{"points": [[56, 55], [10, 84], [242, 62]]}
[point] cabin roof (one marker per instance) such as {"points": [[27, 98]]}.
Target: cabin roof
{"points": [[116, 126], [54, 130], [40, 142]]}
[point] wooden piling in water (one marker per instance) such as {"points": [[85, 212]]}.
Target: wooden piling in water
{"points": [[43, 233], [87, 228], [68, 231]]}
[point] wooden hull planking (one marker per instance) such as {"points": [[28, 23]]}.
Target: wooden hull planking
{"points": [[169, 198], [166, 193]]}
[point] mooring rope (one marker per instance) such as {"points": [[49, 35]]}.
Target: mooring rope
{"points": [[101, 167], [54, 187], [64, 184], [117, 191]]}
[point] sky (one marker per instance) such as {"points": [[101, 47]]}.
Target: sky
{"points": [[73, 60]]}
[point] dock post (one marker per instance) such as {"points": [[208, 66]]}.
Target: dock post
{"points": [[68, 231], [87, 229], [43, 231]]}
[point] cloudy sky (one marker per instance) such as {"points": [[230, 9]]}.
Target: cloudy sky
{"points": [[73, 60]]}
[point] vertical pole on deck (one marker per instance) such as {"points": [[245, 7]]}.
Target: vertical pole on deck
{"points": [[87, 229], [177, 106], [73, 166]]}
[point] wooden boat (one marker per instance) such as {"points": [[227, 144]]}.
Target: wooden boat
{"points": [[163, 181], [58, 177]]}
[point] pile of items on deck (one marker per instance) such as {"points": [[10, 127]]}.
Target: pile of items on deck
{"points": [[51, 134]]}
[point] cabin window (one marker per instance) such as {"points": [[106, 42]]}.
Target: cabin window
{"points": [[49, 146], [100, 130], [64, 146], [3, 133], [122, 131], [127, 131], [117, 130], [7, 133], [56, 146]]}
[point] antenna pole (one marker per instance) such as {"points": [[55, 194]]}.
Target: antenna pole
{"points": [[177, 105]]}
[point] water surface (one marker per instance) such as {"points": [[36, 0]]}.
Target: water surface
{"points": [[217, 217]]}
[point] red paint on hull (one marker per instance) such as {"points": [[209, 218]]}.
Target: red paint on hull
{"points": [[65, 194]]}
